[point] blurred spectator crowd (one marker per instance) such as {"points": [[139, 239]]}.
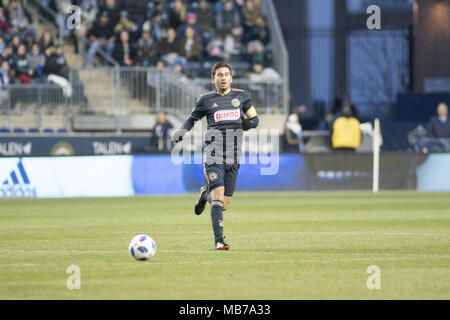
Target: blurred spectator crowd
{"points": [[25, 56], [134, 33], [176, 33]]}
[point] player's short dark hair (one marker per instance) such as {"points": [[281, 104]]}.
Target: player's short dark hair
{"points": [[219, 65]]}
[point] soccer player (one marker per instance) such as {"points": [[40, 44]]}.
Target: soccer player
{"points": [[228, 112]]}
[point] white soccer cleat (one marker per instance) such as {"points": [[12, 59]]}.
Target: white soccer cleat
{"points": [[221, 245]]}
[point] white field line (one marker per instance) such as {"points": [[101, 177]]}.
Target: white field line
{"points": [[296, 262], [375, 257], [342, 233], [73, 231], [152, 261]]}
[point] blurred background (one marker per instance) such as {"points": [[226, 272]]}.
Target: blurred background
{"points": [[114, 78]]}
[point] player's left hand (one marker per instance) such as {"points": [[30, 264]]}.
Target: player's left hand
{"points": [[177, 136], [247, 124]]}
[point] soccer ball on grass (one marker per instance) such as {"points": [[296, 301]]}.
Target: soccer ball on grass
{"points": [[142, 247]]}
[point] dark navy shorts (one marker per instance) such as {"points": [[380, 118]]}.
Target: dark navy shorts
{"points": [[221, 175]]}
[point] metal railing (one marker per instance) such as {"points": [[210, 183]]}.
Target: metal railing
{"points": [[120, 88], [36, 100], [267, 97], [159, 89], [125, 91], [168, 90]]}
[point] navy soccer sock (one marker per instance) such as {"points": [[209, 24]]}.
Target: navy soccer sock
{"points": [[217, 219]]}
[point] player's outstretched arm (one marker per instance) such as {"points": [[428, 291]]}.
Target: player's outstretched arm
{"points": [[196, 114], [185, 127]]}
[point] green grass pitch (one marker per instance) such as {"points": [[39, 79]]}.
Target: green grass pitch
{"points": [[284, 245]]}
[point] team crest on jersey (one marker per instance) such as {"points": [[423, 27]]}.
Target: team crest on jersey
{"points": [[236, 102], [215, 105], [213, 176], [227, 115]]}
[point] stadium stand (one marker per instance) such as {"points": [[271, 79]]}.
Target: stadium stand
{"points": [[34, 71], [171, 43]]}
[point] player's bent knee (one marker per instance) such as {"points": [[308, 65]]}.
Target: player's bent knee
{"points": [[218, 193]]}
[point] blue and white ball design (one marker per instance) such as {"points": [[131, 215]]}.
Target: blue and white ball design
{"points": [[142, 247]]}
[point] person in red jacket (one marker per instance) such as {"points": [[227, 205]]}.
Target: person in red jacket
{"points": [[4, 23]]}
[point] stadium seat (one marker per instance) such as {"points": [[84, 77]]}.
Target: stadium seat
{"points": [[4, 130], [18, 130], [48, 130], [241, 66], [192, 69], [33, 130], [193, 65], [63, 130]]}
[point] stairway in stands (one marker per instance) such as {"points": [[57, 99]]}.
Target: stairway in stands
{"points": [[105, 96], [101, 89]]}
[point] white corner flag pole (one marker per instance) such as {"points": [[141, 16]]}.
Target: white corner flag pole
{"points": [[376, 144]]}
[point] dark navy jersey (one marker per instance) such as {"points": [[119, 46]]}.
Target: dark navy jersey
{"points": [[224, 114], [224, 111]]}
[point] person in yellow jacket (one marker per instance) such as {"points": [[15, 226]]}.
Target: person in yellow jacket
{"points": [[346, 131]]}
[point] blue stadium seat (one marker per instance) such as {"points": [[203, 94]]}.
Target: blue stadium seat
{"points": [[18, 130], [33, 130], [48, 130], [63, 130], [4, 130]]}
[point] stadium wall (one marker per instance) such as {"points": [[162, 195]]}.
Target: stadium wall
{"points": [[69, 145], [108, 176]]}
